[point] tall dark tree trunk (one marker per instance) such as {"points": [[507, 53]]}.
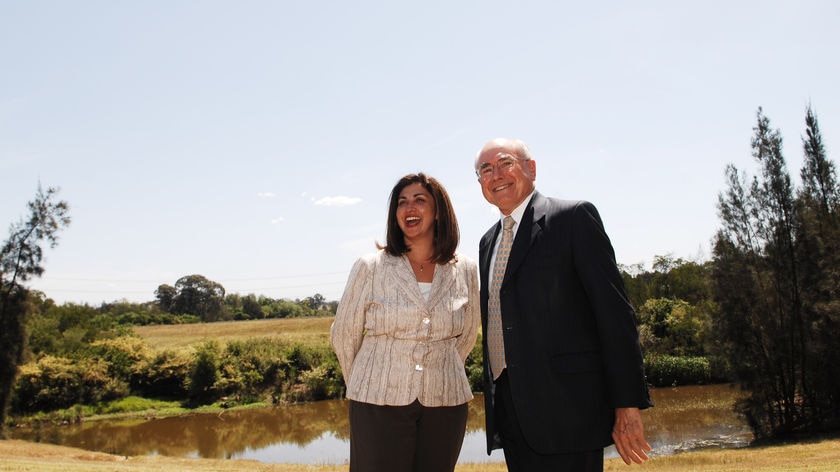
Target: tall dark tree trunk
{"points": [[20, 260], [13, 312]]}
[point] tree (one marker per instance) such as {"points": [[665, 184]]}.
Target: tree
{"points": [[252, 308], [315, 302], [767, 259], [819, 183], [197, 295], [675, 327], [20, 260], [165, 296], [819, 252]]}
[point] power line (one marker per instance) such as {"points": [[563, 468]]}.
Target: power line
{"points": [[112, 279]]}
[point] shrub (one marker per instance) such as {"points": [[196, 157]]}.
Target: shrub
{"points": [[664, 370], [57, 382], [122, 354], [319, 383], [251, 367], [163, 375], [204, 372], [475, 367], [310, 372]]}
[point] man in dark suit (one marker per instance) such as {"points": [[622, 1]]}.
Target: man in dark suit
{"points": [[564, 376]]}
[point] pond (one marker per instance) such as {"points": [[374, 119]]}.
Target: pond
{"points": [[684, 418]]}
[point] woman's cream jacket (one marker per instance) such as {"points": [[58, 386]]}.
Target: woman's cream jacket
{"points": [[393, 345]]}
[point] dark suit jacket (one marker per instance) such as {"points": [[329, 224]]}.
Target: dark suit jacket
{"points": [[571, 342]]}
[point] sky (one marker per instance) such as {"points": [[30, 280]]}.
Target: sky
{"points": [[256, 142]]}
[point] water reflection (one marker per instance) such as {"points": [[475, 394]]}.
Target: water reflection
{"points": [[318, 433]]}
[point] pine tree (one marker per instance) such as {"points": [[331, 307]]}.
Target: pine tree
{"points": [[775, 267], [20, 260]]}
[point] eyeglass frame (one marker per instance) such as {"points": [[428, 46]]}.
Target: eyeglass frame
{"points": [[494, 167]]}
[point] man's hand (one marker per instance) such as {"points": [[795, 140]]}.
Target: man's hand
{"points": [[629, 435]]}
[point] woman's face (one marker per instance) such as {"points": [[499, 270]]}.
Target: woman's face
{"points": [[416, 212]]}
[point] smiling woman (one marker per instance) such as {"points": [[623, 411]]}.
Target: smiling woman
{"points": [[404, 327]]}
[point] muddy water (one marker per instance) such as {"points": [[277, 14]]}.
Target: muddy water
{"points": [[684, 418]]}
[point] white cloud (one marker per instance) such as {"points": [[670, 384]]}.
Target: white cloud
{"points": [[266, 195], [279, 219], [337, 201]]}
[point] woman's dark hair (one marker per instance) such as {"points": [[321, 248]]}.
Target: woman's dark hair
{"points": [[446, 225]]}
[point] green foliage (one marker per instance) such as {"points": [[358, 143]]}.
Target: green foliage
{"points": [[43, 333], [165, 295], [311, 373], [121, 354], [20, 260], [57, 382], [251, 307], [195, 295], [244, 308], [672, 278], [21, 254], [62, 330], [162, 375], [204, 372], [777, 282], [670, 371], [474, 366], [285, 309], [675, 327], [71, 315], [320, 383], [148, 318], [251, 367], [134, 404]]}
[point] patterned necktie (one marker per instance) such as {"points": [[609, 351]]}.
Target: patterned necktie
{"points": [[495, 339]]}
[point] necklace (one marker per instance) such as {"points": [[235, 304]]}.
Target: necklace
{"points": [[419, 264]]}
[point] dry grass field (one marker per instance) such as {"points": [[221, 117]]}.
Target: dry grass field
{"points": [[819, 456], [304, 330]]}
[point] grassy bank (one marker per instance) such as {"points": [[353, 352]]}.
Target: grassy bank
{"points": [[816, 456]]}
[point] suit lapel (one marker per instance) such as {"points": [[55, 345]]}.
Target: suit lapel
{"points": [[441, 283], [529, 229], [406, 282], [485, 252]]}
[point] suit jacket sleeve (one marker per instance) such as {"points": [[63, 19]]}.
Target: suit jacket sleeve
{"points": [[348, 329], [615, 318], [473, 311]]}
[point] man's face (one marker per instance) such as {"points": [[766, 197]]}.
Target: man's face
{"points": [[506, 180]]}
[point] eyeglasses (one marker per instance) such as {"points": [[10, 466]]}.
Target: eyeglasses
{"points": [[502, 165]]}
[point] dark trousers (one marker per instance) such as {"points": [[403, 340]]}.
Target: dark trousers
{"points": [[411, 438], [518, 454]]}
